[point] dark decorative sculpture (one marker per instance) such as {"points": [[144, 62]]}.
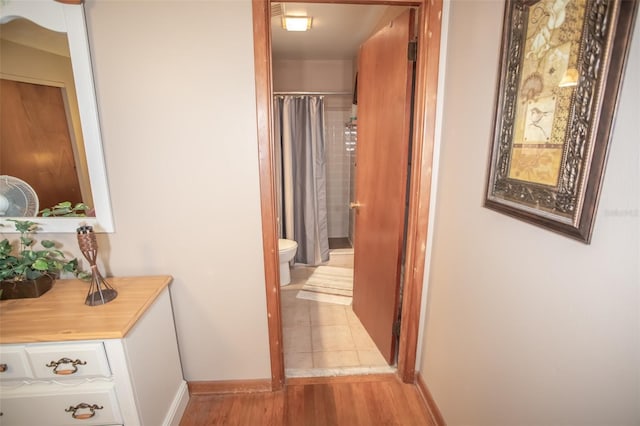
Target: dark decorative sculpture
{"points": [[100, 292]]}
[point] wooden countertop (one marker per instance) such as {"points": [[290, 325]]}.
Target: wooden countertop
{"points": [[61, 315]]}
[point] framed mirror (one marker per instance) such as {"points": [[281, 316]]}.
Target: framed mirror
{"points": [[58, 150]]}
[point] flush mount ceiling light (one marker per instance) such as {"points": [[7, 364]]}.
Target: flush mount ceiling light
{"points": [[296, 23]]}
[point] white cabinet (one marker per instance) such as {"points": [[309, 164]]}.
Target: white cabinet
{"points": [[13, 363], [132, 380], [56, 384], [60, 404], [53, 361]]}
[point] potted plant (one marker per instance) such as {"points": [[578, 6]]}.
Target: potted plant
{"points": [[26, 271]]}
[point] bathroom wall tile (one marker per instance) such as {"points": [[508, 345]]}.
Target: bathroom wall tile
{"points": [[331, 338], [334, 359], [338, 171]]}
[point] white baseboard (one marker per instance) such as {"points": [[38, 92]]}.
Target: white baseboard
{"points": [[178, 406]]}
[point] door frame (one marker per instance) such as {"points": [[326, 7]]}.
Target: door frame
{"points": [[429, 32]]}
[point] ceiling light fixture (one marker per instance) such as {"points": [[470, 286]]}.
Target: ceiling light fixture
{"points": [[297, 23]]}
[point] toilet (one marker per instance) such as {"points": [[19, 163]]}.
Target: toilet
{"points": [[286, 251]]}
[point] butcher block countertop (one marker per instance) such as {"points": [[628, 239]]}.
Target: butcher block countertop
{"points": [[61, 315]]}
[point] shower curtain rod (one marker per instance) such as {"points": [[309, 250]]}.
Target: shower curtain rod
{"points": [[313, 93]]}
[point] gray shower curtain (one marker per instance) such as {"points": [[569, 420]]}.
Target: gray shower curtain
{"points": [[300, 175]]}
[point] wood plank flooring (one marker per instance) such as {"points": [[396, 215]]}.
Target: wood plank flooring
{"points": [[350, 401]]}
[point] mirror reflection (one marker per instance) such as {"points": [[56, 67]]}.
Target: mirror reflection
{"points": [[53, 147], [41, 140]]}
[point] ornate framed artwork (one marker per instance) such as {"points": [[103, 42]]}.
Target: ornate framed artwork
{"points": [[561, 69]]}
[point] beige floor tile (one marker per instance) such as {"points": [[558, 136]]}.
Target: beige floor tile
{"points": [[352, 318], [298, 360], [299, 274], [331, 338], [371, 358], [287, 297], [323, 335], [327, 314], [295, 316], [297, 339], [361, 338], [335, 359]]}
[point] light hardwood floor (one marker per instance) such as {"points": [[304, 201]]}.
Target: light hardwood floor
{"points": [[373, 400]]}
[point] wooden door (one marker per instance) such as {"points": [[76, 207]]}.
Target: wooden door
{"points": [[35, 142], [385, 76]]}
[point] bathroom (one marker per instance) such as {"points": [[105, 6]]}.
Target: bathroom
{"points": [[325, 338]]}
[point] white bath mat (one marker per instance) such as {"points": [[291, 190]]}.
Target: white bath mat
{"points": [[343, 251], [329, 284]]}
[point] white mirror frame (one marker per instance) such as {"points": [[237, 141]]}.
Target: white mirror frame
{"points": [[70, 18]]}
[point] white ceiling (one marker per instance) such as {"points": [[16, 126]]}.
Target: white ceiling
{"points": [[337, 31]]}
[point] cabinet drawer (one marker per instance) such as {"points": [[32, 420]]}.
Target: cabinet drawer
{"points": [[13, 363], [52, 405], [69, 360]]}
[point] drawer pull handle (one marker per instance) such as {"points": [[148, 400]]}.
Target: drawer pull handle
{"points": [[3, 368], [65, 361], [84, 414]]}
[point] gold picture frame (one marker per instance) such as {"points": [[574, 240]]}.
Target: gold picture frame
{"points": [[561, 69]]}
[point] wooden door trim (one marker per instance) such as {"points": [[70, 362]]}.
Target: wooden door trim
{"points": [[264, 112], [429, 18], [429, 28]]}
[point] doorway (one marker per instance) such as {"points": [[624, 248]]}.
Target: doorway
{"points": [[429, 14], [318, 333]]}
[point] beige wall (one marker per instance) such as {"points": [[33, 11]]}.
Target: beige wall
{"points": [[525, 326], [313, 75], [175, 83]]}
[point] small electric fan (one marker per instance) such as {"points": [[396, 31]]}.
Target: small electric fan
{"points": [[17, 198]]}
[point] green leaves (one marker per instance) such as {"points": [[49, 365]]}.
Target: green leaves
{"points": [[40, 264], [24, 226], [29, 263], [27, 242], [5, 248], [66, 209], [48, 244]]}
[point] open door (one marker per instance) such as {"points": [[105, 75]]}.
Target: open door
{"points": [[35, 142], [385, 77]]}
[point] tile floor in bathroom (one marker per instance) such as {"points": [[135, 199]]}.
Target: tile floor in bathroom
{"points": [[324, 338]]}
